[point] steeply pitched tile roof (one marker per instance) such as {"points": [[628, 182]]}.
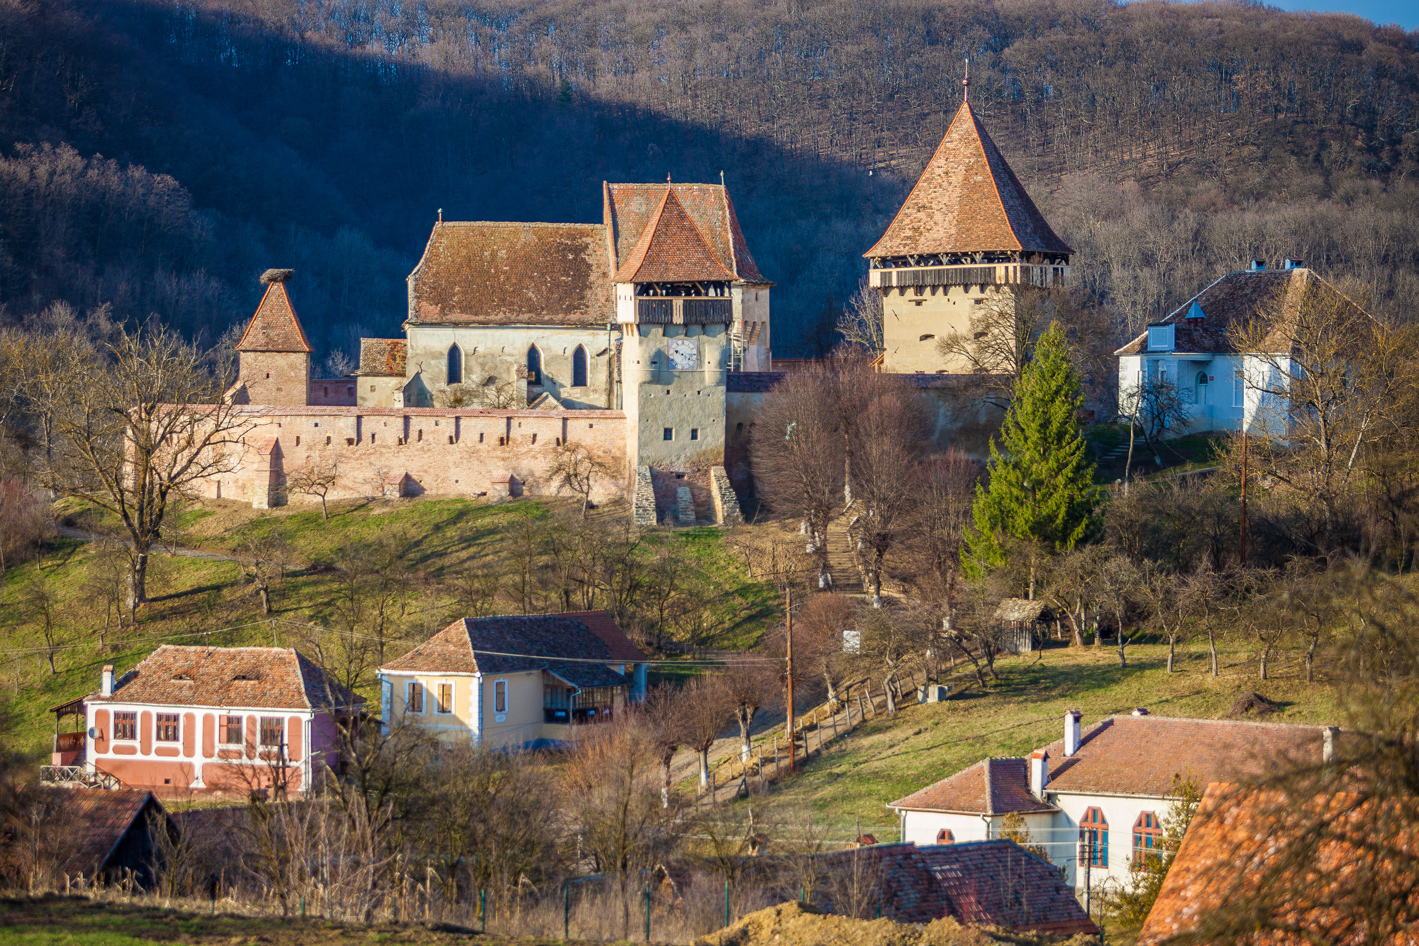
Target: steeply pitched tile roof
{"points": [[247, 677], [274, 327], [967, 200], [100, 818], [1233, 300], [383, 357], [556, 642], [1138, 755], [995, 883], [513, 274], [1237, 847], [990, 787], [672, 249], [629, 208]]}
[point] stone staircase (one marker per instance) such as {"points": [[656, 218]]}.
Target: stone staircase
{"points": [[846, 578]]}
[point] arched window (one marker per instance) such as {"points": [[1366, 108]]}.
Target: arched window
{"points": [[1201, 390], [455, 365], [1094, 838], [534, 365], [579, 367], [1147, 835], [944, 836]]}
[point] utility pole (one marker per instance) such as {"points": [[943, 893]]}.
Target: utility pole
{"points": [[788, 672], [1244, 493]]}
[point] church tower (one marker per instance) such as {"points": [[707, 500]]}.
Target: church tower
{"points": [[967, 236], [273, 354], [674, 304]]}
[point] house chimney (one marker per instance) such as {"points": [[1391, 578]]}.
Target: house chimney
{"points": [[1327, 751], [1071, 732], [1039, 772], [1294, 263], [106, 681], [1258, 265]]}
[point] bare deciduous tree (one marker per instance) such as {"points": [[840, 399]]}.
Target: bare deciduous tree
{"points": [[860, 324], [578, 469], [135, 424], [317, 479]]}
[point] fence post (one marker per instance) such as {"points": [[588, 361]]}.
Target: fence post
{"points": [[483, 911], [566, 910], [647, 911], [726, 903]]}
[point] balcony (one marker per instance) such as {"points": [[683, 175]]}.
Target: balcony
{"points": [[990, 274], [70, 741], [685, 311]]}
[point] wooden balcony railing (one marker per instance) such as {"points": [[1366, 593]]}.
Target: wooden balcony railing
{"points": [[990, 274], [692, 311]]}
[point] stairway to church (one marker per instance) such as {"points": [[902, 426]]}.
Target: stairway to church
{"points": [[846, 578]]}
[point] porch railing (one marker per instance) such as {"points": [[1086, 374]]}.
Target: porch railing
{"points": [[76, 776]]}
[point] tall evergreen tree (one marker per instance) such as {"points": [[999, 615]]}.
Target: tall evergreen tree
{"points": [[1041, 483]]}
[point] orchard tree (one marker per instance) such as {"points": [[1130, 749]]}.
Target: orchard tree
{"points": [[1040, 481]]}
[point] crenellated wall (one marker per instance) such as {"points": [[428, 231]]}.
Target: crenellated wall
{"points": [[378, 452]]}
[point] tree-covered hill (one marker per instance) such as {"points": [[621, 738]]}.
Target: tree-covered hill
{"points": [[158, 154]]}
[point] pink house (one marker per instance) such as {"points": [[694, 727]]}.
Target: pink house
{"points": [[208, 719]]}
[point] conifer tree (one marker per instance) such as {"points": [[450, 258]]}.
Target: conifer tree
{"points": [[1040, 488]]}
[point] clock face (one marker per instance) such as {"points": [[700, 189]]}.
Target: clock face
{"points": [[684, 354]]}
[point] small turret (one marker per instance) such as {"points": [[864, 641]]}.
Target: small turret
{"points": [[273, 354]]}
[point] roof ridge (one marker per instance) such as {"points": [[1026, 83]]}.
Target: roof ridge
{"points": [[989, 788], [982, 136], [1275, 724]]}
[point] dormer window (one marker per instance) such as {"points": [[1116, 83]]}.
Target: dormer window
{"points": [[1160, 337]]}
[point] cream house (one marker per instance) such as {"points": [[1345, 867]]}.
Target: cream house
{"points": [[1099, 797], [518, 680]]}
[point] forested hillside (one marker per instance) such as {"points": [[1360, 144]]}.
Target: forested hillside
{"points": [[156, 155]]}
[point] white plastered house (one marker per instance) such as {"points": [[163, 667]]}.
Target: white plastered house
{"points": [[1097, 797], [1193, 350]]}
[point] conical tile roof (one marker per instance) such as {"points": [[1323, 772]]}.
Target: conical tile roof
{"points": [[274, 327], [966, 201], [672, 249]]}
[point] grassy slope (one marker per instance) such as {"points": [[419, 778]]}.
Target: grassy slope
{"points": [[887, 759], [197, 601]]}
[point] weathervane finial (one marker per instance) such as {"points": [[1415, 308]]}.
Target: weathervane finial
{"points": [[966, 82]]}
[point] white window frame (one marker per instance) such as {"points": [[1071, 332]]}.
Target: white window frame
{"points": [[222, 729], [423, 698], [499, 696]]}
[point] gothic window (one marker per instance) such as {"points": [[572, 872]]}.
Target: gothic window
{"points": [[455, 365], [1147, 835], [1094, 838], [579, 367], [534, 365]]}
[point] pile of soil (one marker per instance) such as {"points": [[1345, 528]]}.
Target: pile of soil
{"points": [[1253, 704], [793, 924]]}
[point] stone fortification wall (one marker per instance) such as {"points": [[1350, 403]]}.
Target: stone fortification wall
{"points": [[382, 452]]}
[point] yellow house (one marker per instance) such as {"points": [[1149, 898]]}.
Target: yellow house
{"points": [[517, 680]]}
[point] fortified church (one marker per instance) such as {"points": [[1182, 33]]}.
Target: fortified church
{"points": [[645, 339]]}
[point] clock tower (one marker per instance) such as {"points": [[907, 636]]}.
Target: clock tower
{"points": [[675, 302]]}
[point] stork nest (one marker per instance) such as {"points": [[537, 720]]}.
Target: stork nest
{"points": [[276, 275], [1253, 704]]}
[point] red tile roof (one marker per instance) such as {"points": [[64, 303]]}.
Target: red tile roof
{"points": [[996, 883], [100, 818], [1233, 300], [1138, 755], [629, 208], [383, 357], [274, 327], [990, 787], [513, 274], [1234, 877], [967, 200], [1124, 755], [672, 249], [573, 643], [248, 677]]}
